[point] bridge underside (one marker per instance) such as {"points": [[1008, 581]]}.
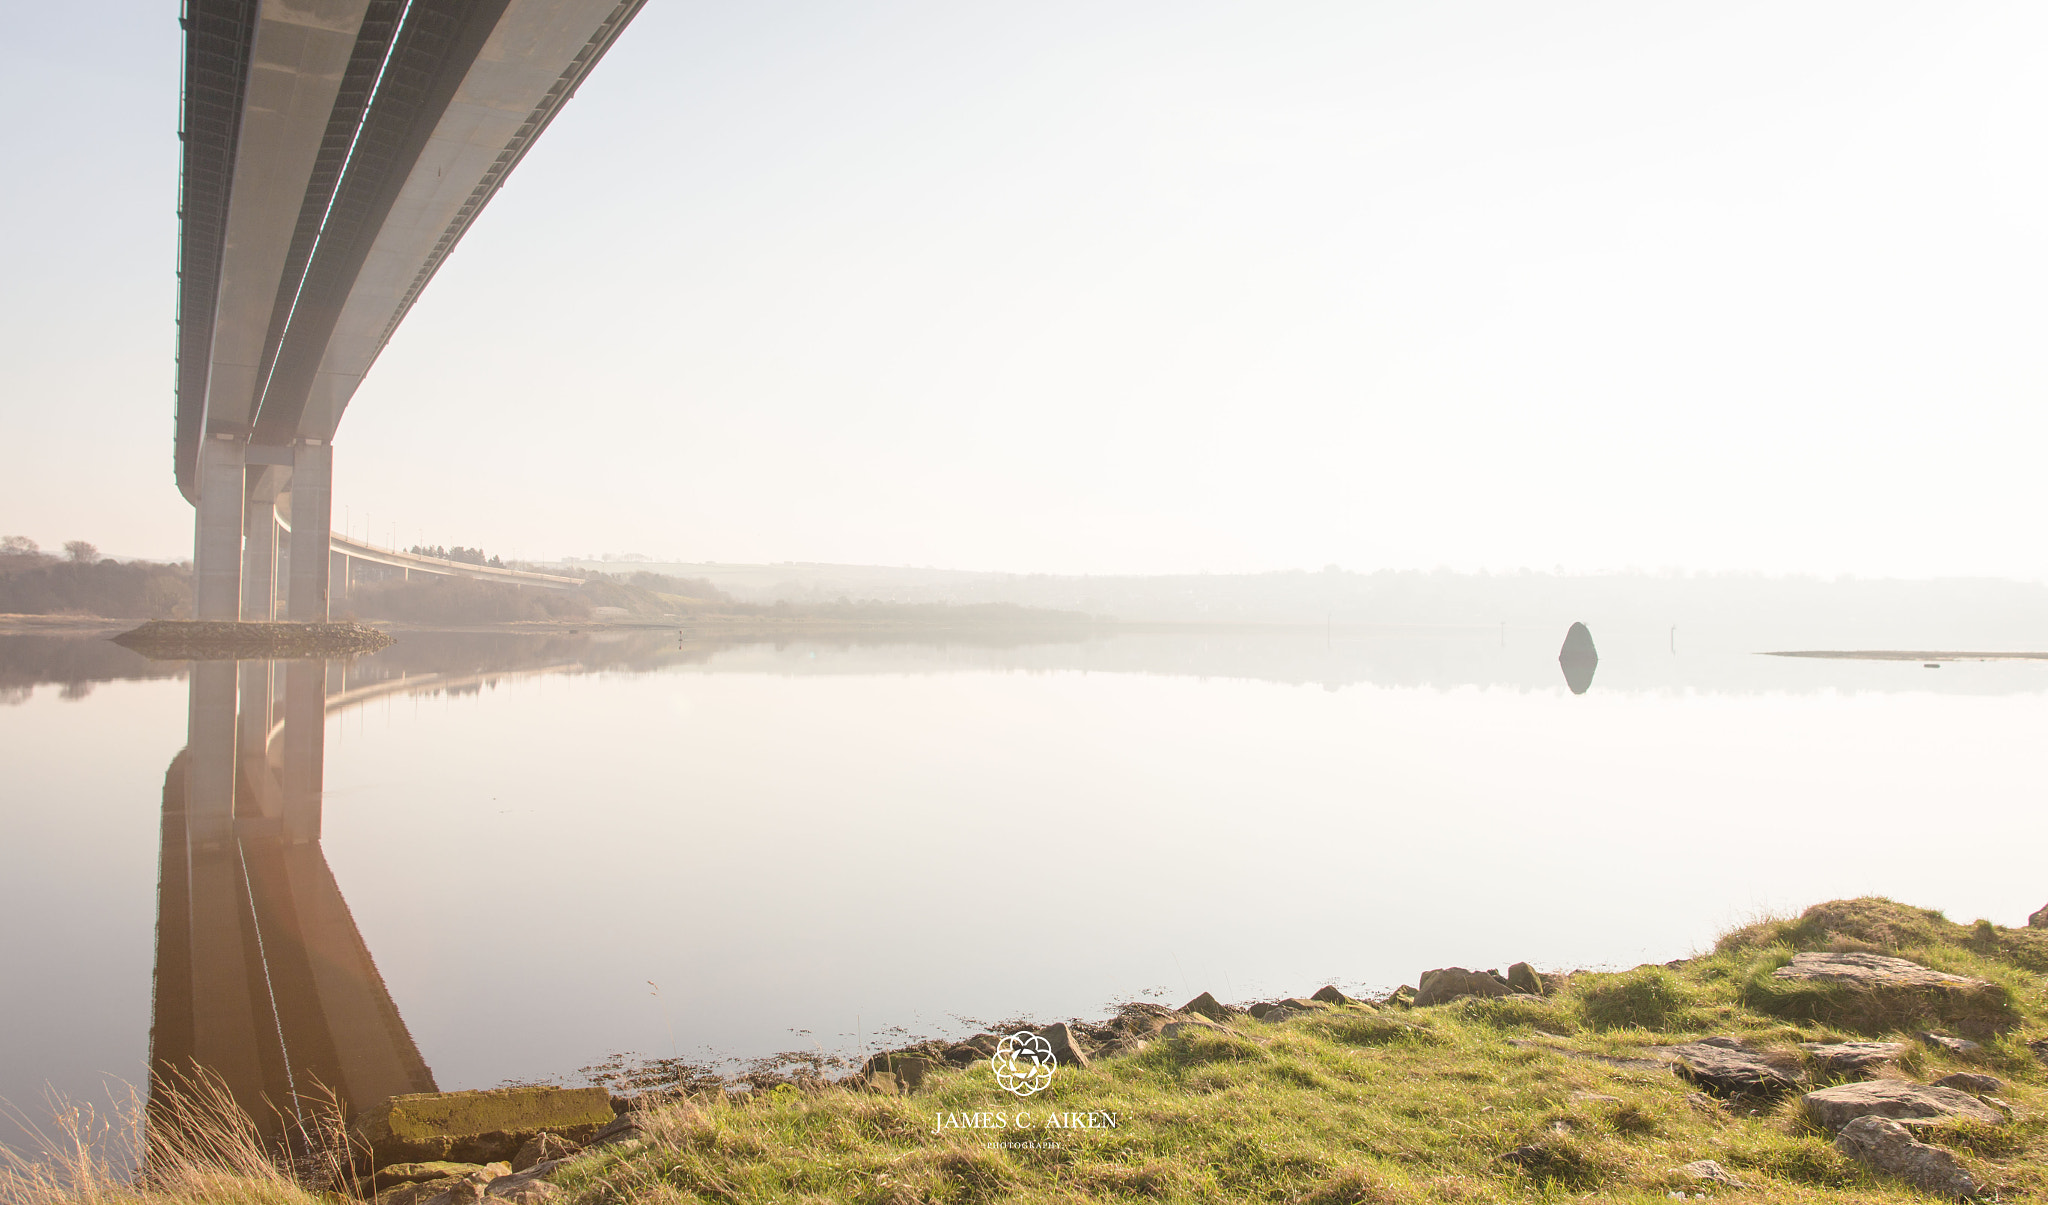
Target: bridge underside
{"points": [[335, 151]]}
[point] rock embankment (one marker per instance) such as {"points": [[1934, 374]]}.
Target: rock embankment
{"points": [[460, 1148], [190, 640]]}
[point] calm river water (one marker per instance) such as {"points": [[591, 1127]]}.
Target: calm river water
{"points": [[474, 858]]}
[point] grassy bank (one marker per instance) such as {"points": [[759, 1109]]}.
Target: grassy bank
{"points": [[1523, 1098]]}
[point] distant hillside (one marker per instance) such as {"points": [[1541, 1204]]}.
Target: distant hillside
{"points": [[35, 583], [1747, 610]]}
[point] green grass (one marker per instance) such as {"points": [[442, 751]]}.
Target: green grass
{"points": [[1358, 1104], [1395, 1105]]}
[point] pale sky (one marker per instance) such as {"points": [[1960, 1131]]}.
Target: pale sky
{"points": [[1096, 287]]}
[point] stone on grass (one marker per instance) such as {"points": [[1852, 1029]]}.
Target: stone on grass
{"points": [[1834, 1108], [1206, 1005], [1962, 1048], [910, 1070], [1852, 1058], [541, 1148], [1730, 1067], [1066, 1045], [1400, 997], [529, 1187], [420, 1191], [883, 1082], [411, 1173], [1884, 1145], [1450, 983], [1177, 1028], [1328, 994], [1876, 993], [477, 1127], [1862, 970], [1523, 978], [2040, 919], [522, 1191], [1711, 1172], [1971, 1082], [963, 1055]]}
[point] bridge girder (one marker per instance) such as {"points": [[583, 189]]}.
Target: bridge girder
{"points": [[335, 153]]}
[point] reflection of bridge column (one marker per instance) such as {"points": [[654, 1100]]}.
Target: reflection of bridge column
{"points": [[312, 521], [210, 778], [262, 978], [217, 542], [305, 747]]}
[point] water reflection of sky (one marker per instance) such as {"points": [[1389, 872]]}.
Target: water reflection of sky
{"points": [[813, 842]]}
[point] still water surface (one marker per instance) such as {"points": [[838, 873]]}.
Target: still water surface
{"points": [[477, 858]]}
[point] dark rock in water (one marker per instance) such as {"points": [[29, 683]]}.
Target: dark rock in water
{"points": [[1884, 1145], [1972, 1082], [193, 640], [1206, 1005], [1578, 658], [1852, 1058], [1523, 978], [1330, 995], [1449, 983], [1730, 1067]]}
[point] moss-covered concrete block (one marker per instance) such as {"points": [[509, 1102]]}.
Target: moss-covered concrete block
{"points": [[478, 1127]]}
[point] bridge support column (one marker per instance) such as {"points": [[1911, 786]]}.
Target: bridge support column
{"points": [[259, 560], [312, 520], [217, 540]]}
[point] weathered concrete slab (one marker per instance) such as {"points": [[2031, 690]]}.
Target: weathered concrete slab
{"points": [[478, 1127]]}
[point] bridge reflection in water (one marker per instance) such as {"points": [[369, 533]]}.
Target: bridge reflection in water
{"points": [[262, 979]]}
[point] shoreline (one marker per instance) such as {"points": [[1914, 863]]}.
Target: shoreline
{"points": [[1864, 1051]]}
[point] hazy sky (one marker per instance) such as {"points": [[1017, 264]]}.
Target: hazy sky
{"points": [[1142, 286]]}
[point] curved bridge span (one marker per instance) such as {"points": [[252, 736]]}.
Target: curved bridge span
{"points": [[335, 151]]}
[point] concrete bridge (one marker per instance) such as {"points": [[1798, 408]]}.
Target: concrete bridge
{"points": [[335, 151]]}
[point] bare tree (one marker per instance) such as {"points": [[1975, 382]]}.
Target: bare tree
{"points": [[17, 546], [80, 551]]}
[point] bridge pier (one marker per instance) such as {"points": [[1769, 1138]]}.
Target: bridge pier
{"points": [[259, 557], [312, 520], [217, 540]]}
